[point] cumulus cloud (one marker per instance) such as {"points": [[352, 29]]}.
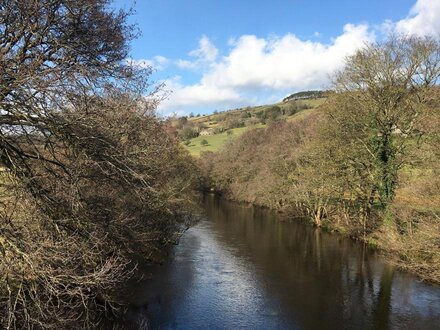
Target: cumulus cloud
{"points": [[197, 96], [255, 64], [423, 19], [257, 69], [205, 54], [286, 62]]}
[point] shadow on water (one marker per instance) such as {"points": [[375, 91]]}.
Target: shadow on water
{"points": [[242, 267]]}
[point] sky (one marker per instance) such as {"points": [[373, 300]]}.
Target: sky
{"points": [[225, 54]]}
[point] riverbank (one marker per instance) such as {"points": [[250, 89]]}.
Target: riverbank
{"points": [[402, 253], [281, 167], [327, 173]]}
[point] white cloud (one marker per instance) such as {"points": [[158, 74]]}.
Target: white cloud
{"points": [[206, 51], [258, 66], [286, 62], [204, 55], [156, 63], [187, 65], [423, 19], [257, 69], [197, 95], [317, 34]]}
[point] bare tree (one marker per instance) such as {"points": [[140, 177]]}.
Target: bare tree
{"points": [[53, 51], [89, 178]]}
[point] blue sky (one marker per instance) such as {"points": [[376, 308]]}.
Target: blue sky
{"points": [[222, 54]]}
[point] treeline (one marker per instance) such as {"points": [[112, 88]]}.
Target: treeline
{"points": [[365, 163], [306, 95], [90, 181]]}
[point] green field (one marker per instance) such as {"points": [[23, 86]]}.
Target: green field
{"points": [[212, 120], [215, 142]]}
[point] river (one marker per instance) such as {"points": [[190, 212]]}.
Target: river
{"points": [[244, 267]]}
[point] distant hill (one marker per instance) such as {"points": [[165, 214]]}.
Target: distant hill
{"points": [[305, 95], [219, 127]]}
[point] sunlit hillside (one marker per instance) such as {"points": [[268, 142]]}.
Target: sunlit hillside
{"points": [[246, 118]]}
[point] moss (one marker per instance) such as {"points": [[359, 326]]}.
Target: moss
{"points": [[388, 219], [373, 241]]}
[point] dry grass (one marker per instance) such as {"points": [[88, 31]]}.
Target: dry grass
{"points": [[412, 240], [418, 252]]}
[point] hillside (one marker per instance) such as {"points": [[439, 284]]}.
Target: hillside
{"points": [[315, 164], [211, 132], [365, 164]]}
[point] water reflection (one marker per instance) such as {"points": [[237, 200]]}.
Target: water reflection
{"points": [[244, 268]]}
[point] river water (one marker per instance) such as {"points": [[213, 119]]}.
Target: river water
{"points": [[244, 267]]}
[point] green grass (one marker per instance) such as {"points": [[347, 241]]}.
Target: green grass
{"points": [[215, 142], [300, 115], [207, 119]]}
